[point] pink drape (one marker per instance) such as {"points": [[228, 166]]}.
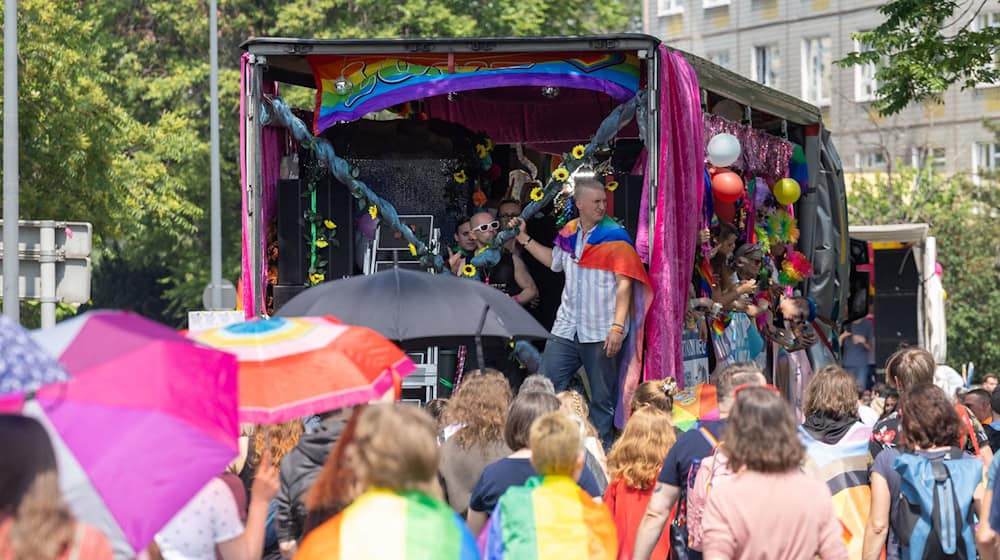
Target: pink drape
{"points": [[678, 204], [272, 140]]}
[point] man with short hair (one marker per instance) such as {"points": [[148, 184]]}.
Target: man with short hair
{"points": [[465, 243], [691, 446], [599, 261], [979, 402], [990, 381], [509, 275]]}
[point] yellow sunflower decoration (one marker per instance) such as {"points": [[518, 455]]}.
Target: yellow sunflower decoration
{"points": [[322, 244], [460, 176], [560, 174], [329, 224], [489, 144], [413, 249], [537, 194], [316, 278], [481, 151], [611, 186], [469, 270], [373, 212], [579, 151]]}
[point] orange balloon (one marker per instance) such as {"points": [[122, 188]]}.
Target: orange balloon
{"points": [[727, 186], [726, 211]]}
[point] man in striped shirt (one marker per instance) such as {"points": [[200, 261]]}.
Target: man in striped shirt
{"points": [[591, 323]]}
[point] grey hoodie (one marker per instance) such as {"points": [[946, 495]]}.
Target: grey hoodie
{"points": [[299, 470]]}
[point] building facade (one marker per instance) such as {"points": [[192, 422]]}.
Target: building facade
{"points": [[791, 45]]}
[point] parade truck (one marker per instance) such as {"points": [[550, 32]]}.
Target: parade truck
{"points": [[438, 128], [896, 283]]}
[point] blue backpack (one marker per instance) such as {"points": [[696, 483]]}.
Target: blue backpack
{"points": [[933, 512]]}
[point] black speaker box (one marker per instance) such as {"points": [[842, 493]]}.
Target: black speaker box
{"points": [[895, 271], [896, 324]]}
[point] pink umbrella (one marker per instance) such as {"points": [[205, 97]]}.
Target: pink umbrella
{"points": [[146, 420]]}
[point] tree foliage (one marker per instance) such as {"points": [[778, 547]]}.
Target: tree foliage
{"points": [[114, 100], [963, 218], [924, 47]]}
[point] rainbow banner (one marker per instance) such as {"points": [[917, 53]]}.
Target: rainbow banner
{"points": [[379, 81], [389, 526], [693, 404], [547, 518]]}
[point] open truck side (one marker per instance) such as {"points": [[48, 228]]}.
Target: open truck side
{"points": [[821, 211]]}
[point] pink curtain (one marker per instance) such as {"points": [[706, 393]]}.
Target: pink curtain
{"points": [[271, 152], [678, 204]]}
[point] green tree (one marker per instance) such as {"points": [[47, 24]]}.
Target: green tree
{"points": [[963, 218], [923, 47]]}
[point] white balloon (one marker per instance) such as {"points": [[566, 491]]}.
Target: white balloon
{"points": [[723, 150]]}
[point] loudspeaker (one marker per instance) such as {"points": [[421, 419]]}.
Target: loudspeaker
{"points": [[627, 198], [895, 323], [895, 271], [858, 297]]}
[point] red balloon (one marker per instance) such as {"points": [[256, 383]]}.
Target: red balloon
{"points": [[727, 186], [726, 211]]}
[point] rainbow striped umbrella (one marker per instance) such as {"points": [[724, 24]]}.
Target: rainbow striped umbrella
{"points": [[693, 404], [294, 367]]}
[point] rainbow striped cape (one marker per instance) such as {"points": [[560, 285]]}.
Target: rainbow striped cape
{"points": [[389, 526], [610, 248], [844, 468], [547, 518], [694, 404]]}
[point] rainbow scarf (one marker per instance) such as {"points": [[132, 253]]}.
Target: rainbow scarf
{"points": [[610, 248], [693, 404], [392, 526], [550, 517], [844, 468]]}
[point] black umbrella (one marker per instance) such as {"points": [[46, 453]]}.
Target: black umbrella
{"points": [[417, 308]]}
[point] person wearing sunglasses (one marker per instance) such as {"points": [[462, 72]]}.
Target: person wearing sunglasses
{"points": [[510, 275]]}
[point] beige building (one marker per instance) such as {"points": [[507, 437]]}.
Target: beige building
{"points": [[791, 45]]}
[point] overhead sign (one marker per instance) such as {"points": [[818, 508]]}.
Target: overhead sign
{"points": [[72, 280], [54, 261]]}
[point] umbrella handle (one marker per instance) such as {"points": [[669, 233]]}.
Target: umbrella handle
{"points": [[479, 338]]}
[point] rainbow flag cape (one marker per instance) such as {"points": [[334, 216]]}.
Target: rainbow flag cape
{"points": [[610, 248], [550, 518], [844, 468], [381, 81], [389, 526], [693, 404]]}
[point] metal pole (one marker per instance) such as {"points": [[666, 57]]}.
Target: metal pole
{"points": [[216, 202], [11, 272], [47, 271]]}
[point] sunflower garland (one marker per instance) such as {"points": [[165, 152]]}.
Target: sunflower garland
{"points": [[537, 194], [469, 270], [560, 174], [579, 151], [612, 186]]}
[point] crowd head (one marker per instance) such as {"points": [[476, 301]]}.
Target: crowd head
{"points": [[557, 445], [480, 406], [463, 236], [484, 227], [657, 394], [833, 393], [524, 410], [537, 383], [638, 454], [928, 419], [761, 434], [910, 367], [734, 375], [591, 200]]}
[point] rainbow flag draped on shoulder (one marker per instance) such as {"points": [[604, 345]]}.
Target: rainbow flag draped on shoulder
{"points": [[611, 248], [844, 467], [547, 518], [389, 526]]}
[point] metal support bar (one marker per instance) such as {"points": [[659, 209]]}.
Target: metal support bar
{"points": [[47, 267], [254, 175], [11, 272], [215, 205]]}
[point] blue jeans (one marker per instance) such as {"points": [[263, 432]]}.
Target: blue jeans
{"points": [[560, 361], [860, 373]]}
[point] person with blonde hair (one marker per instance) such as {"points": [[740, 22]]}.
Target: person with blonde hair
{"points": [[35, 523], [574, 403], [658, 394], [836, 442], [743, 519], [395, 455], [633, 464], [550, 512], [478, 410]]}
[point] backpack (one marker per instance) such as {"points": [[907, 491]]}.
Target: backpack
{"points": [[704, 473], [933, 513]]}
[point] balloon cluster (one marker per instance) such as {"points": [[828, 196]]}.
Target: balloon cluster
{"points": [[727, 186]]}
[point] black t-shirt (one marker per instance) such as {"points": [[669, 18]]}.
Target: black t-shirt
{"points": [[501, 275], [507, 472], [690, 447]]}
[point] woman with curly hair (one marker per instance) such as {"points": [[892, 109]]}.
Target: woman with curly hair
{"points": [[768, 490], [34, 521], [478, 411], [633, 464]]}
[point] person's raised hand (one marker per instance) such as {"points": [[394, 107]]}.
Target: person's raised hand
{"points": [[704, 236], [517, 224], [747, 287], [265, 482], [455, 261]]}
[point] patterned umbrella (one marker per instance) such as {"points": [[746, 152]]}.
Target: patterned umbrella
{"points": [[24, 366], [294, 367], [693, 404], [145, 421]]}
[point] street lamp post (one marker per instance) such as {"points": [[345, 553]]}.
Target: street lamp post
{"points": [[216, 201], [11, 297]]}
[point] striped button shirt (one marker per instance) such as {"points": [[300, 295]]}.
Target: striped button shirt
{"points": [[587, 310]]}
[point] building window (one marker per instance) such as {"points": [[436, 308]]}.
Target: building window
{"points": [[817, 57], [720, 58], [669, 7], [870, 159], [935, 158], [766, 64], [985, 157], [984, 21], [865, 86], [714, 3]]}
